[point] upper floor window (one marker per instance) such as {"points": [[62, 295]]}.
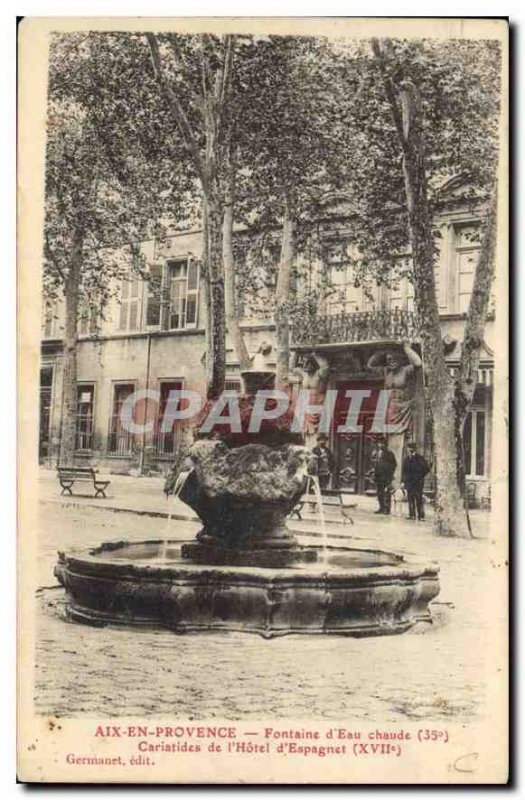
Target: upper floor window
{"points": [[183, 294], [51, 321], [154, 296], [466, 249], [129, 304], [87, 320]]}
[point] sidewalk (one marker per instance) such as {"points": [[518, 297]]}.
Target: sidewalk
{"points": [[144, 497]]}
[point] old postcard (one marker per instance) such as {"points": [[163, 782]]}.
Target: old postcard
{"points": [[263, 387]]}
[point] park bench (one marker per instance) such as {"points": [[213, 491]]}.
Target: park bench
{"points": [[68, 476], [329, 497]]}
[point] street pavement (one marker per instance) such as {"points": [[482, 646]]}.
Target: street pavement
{"points": [[435, 671]]}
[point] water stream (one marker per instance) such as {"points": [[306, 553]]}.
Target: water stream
{"points": [[179, 483], [314, 483], [166, 537]]}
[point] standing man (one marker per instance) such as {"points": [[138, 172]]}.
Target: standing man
{"points": [[324, 461], [384, 474], [414, 470]]}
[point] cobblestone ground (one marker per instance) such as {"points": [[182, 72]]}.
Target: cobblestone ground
{"points": [[433, 671]]}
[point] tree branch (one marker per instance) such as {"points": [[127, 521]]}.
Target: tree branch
{"points": [[176, 107], [182, 65], [389, 89], [226, 78]]}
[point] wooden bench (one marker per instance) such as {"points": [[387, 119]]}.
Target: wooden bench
{"points": [[329, 497], [68, 476]]}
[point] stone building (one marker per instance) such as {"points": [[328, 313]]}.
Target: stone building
{"points": [[155, 339]]}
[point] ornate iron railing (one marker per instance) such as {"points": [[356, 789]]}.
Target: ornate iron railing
{"points": [[313, 328]]}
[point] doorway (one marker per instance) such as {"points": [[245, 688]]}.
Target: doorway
{"points": [[354, 452], [46, 390]]}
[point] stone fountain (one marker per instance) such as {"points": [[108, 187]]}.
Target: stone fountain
{"points": [[245, 571]]}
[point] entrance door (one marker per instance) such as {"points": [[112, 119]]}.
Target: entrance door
{"points": [[355, 462], [354, 452]]}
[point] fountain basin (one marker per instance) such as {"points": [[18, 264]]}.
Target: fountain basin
{"points": [[344, 591]]}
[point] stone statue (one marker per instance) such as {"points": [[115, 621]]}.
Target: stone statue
{"points": [[259, 362], [400, 379], [315, 373]]}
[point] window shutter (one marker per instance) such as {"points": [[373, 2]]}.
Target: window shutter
{"points": [[124, 306], [133, 305], [154, 296], [192, 293]]}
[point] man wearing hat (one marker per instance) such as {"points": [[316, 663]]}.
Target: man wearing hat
{"points": [[414, 470], [384, 470], [324, 460]]}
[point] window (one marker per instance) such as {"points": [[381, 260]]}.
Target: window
{"points": [[120, 440], [51, 321], [87, 322], [346, 295], [85, 409], [46, 391], [154, 296], [129, 304], [183, 294], [467, 248], [474, 435], [166, 441]]}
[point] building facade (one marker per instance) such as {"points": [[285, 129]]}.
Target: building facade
{"points": [[154, 338]]}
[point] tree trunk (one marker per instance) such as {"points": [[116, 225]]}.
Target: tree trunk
{"points": [[282, 301], [69, 390], [232, 318], [467, 375], [449, 508], [450, 517], [214, 273]]}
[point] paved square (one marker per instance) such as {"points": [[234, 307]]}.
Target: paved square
{"points": [[434, 672]]}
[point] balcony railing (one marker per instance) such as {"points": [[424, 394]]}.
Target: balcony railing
{"points": [[314, 328]]}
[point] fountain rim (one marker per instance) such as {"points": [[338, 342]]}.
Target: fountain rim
{"points": [[404, 568]]}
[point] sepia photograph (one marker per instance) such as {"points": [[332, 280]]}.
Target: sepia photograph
{"points": [[263, 390]]}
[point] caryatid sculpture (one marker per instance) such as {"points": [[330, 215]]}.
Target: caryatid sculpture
{"points": [[315, 373], [400, 379]]}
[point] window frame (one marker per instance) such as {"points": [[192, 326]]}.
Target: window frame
{"points": [[88, 314], [130, 437], [473, 247], [188, 262], [50, 392], [80, 386], [126, 302], [473, 416], [160, 453], [147, 297], [51, 317]]}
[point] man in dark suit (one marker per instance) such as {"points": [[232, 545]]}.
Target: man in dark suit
{"points": [[324, 461], [414, 470], [385, 468]]}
